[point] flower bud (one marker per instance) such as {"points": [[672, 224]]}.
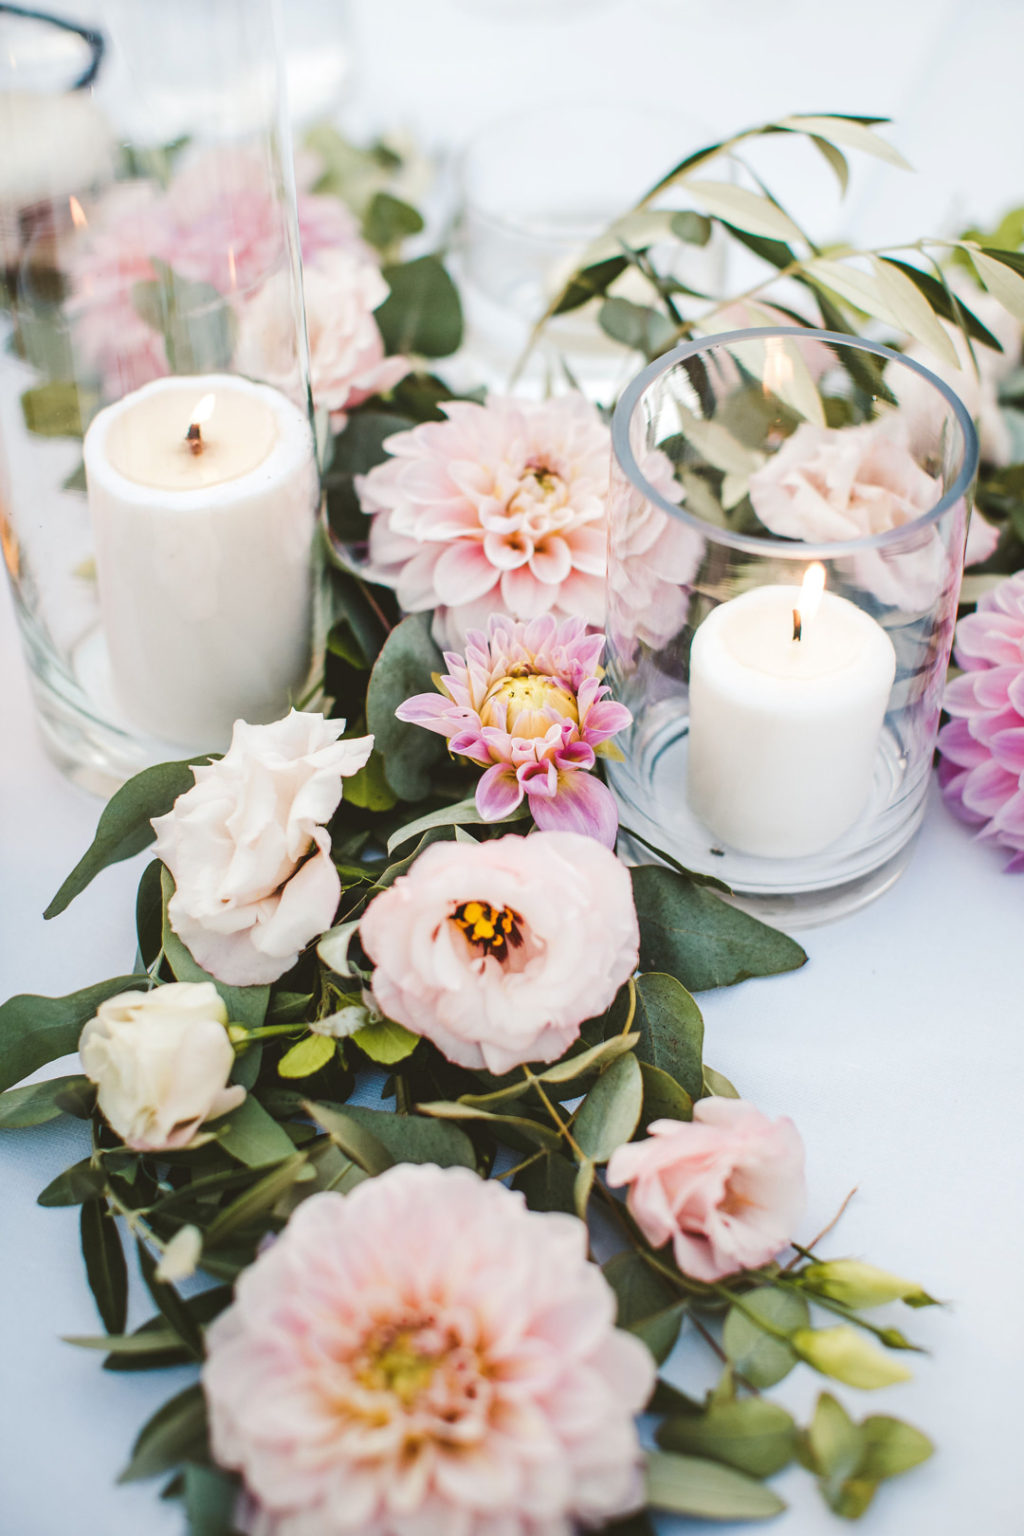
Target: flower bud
{"points": [[845, 1355], [861, 1285]]}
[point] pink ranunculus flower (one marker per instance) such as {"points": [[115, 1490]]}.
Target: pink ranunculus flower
{"points": [[346, 350], [526, 703], [982, 747], [498, 951], [501, 508], [249, 851], [727, 1188], [836, 483], [427, 1357]]}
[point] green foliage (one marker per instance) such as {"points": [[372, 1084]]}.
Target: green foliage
{"points": [[762, 1355], [175, 1433], [124, 825], [58, 409], [105, 1267], [404, 667], [610, 1112], [689, 1485], [39, 1102], [750, 1434], [423, 313], [35, 1030], [692, 934], [850, 1460], [253, 1136], [195, 320], [388, 221], [671, 1031]]}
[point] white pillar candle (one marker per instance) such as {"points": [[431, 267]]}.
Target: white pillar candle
{"points": [[203, 559], [784, 731]]}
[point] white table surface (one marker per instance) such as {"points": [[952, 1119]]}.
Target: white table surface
{"points": [[897, 1050]]}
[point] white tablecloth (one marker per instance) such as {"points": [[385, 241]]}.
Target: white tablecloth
{"points": [[897, 1050]]}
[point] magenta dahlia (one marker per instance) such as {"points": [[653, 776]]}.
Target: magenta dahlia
{"points": [[982, 747]]}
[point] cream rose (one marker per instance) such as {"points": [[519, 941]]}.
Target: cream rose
{"points": [[161, 1061], [248, 849]]}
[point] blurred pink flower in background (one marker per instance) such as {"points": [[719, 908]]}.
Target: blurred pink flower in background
{"points": [[216, 223], [427, 1357], [982, 747], [526, 703], [497, 951], [727, 1188], [346, 350], [827, 484], [653, 558], [501, 508]]}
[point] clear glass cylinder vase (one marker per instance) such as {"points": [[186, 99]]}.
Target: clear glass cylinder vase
{"points": [[159, 490], [787, 526]]}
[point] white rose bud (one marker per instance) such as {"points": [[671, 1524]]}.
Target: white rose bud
{"points": [[161, 1061]]}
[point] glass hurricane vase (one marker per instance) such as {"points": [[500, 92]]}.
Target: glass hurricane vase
{"points": [[158, 481], [786, 538]]}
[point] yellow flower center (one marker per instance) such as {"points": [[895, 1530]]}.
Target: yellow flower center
{"points": [[526, 700], [398, 1368], [492, 929]]}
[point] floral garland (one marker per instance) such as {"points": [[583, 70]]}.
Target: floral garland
{"points": [[381, 1095]]}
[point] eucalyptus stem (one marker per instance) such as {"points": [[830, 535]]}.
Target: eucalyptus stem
{"points": [[527, 1162], [563, 1128]]}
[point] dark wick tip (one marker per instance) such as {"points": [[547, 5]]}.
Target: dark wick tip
{"points": [[798, 624], [194, 437]]}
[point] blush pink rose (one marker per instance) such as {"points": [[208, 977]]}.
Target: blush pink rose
{"points": [[498, 951], [427, 1357], [727, 1188]]}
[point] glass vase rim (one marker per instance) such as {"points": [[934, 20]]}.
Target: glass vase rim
{"points": [[788, 549]]}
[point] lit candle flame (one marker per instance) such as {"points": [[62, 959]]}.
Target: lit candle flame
{"points": [[809, 600], [201, 411], [78, 217]]}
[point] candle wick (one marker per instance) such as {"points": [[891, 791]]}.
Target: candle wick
{"points": [[798, 625], [194, 438]]}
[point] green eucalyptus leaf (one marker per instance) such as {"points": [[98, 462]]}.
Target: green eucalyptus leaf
{"points": [[549, 1184], [689, 1485], [852, 133], [174, 1434], [637, 326], [464, 814], [515, 1127], [671, 1030], [124, 825], [252, 1136], [81, 1182], [689, 932], [210, 1497], [943, 302], [151, 1341], [369, 787], [37, 1103], [640, 1291], [833, 1440], [257, 1200], [388, 221], [196, 320], [422, 314], [750, 210], [718, 1084], [412, 1138], [660, 1332], [750, 1433], [105, 1267], [590, 282], [386, 1043], [404, 667], [35, 1030], [573, 1067], [759, 1357], [306, 1056], [169, 1304], [610, 1112], [664, 1099], [691, 227], [355, 1138], [835, 160], [891, 1447]]}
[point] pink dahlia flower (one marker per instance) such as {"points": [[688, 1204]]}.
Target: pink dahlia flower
{"points": [[498, 951], [501, 508], [654, 559], [727, 1188], [527, 704], [982, 747], [426, 1357]]}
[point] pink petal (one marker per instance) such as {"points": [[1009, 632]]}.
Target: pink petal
{"points": [[498, 792], [582, 804], [463, 572], [551, 561]]}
